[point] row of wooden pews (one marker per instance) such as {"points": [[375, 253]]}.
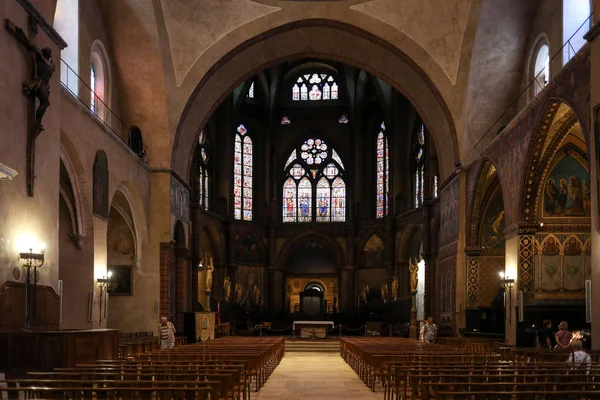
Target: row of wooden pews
{"points": [[407, 369], [221, 369], [133, 344]]}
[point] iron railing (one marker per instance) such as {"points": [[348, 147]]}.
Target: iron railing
{"points": [[522, 99], [82, 91]]}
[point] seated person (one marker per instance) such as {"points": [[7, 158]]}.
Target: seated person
{"points": [[579, 356]]}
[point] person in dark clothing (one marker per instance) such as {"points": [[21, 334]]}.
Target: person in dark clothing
{"points": [[545, 335]]}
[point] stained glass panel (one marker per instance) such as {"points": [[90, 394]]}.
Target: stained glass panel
{"points": [[422, 184], [337, 158], [380, 210], [323, 198], [326, 91], [291, 158], [289, 201], [201, 138], [204, 156], [206, 190], [343, 119], [421, 135], [93, 85], [297, 171], [251, 91], [242, 176], [387, 176], [303, 92], [315, 93], [419, 154], [330, 171], [285, 121], [201, 186], [334, 91], [295, 92], [338, 200], [304, 201], [436, 184], [242, 130]]}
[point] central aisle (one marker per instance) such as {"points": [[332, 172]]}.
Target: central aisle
{"points": [[314, 376]]}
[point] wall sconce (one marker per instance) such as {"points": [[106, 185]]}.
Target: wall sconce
{"points": [[507, 284], [35, 261], [104, 283]]}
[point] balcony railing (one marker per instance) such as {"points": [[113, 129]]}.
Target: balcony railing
{"points": [[568, 51], [82, 91]]}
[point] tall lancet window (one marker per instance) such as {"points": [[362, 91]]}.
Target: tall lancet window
{"points": [[314, 187], [202, 167], [250, 94], [419, 178], [315, 87], [242, 175], [383, 172]]}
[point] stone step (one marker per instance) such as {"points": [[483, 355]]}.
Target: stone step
{"points": [[312, 346]]}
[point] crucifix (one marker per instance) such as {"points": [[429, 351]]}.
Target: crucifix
{"points": [[37, 87]]}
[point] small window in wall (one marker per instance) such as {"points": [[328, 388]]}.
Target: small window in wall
{"points": [[99, 81], [436, 186], [250, 94], [315, 87], [383, 172], [541, 69], [419, 178], [576, 23], [203, 174]]}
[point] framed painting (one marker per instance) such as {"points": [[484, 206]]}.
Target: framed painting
{"points": [[122, 280]]}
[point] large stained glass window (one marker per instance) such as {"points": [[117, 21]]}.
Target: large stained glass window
{"points": [[202, 168], [383, 173], [242, 175], [419, 178], [314, 189], [315, 87]]}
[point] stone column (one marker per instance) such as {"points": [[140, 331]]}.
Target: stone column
{"points": [[276, 288], [347, 290], [183, 274]]}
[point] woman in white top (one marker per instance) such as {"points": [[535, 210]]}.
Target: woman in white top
{"points": [[579, 356]]}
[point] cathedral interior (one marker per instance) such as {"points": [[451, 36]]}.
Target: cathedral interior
{"points": [[401, 159]]}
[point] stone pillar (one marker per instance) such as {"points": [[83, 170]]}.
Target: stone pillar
{"points": [[403, 279], [348, 294], [594, 165], [276, 288], [183, 274]]}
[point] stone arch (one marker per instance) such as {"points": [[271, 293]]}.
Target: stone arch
{"points": [[486, 185], [409, 243], [126, 200], [179, 235], [368, 52], [216, 243], [293, 242], [558, 119]]}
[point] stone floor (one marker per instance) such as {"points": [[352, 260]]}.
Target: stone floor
{"points": [[314, 376]]}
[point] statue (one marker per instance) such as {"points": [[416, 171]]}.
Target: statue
{"points": [[39, 86], [364, 293], [227, 287], [257, 293], [395, 288], [414, 270], [239, 291], [384, 291], [209, 268]]}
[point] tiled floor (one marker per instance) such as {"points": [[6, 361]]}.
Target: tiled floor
{"points": [[314, 376]]}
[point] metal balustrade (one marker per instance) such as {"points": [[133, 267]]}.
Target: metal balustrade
{"points": [[82, 91]]}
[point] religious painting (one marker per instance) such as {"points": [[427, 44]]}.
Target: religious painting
{"points": [[101, 185], [493, 222], [180, 200], [122, 280], [373, 253], [449, 202], [567, 190], [247, 251]]}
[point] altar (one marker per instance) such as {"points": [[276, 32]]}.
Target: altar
{"points": [[312, 329]]}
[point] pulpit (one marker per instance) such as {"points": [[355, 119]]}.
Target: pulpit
{"points": [[199, 326]]}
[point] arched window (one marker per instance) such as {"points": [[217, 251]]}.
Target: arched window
{"points": [[419, 178], [315, 87], [314, 187], [99, 81], [436, 186], [242, 175], [66, 23], [383, 172], [576, 23], [541, 69], [203, 175]]}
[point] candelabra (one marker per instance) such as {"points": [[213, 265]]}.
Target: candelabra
{"points": [[32, 261], [104, 283]]}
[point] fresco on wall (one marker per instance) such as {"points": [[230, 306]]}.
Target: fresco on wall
{"points": [[180, 200], [373, 253], [493, 222], [247, 251], [567, 190], [449, 211]]}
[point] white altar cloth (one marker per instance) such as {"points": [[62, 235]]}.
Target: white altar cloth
{"points": [[320, 334]]}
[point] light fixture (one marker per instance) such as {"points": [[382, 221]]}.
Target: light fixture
{"points": [[104, 283], [35, 261], [507, 284]]}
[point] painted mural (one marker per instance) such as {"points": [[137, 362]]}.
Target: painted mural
{"points": [[247, 251], [180, 200], [449, 211], [567, 190], [373, 253], [493, 223]]}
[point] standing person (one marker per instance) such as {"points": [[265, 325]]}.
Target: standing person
{"points": [[429, 331], [545, 335], [166, 334], [563, 336]]}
